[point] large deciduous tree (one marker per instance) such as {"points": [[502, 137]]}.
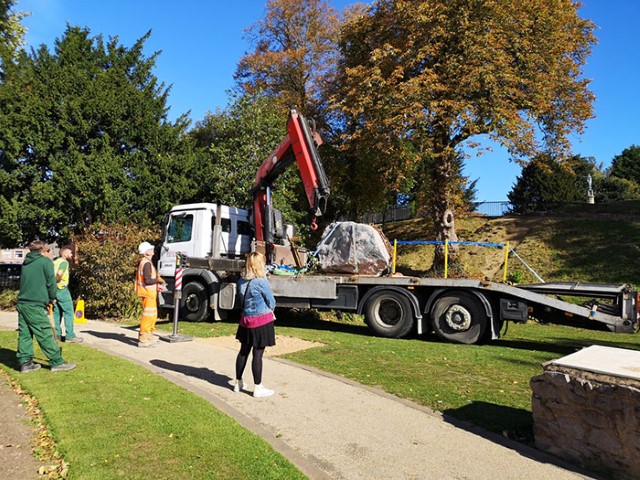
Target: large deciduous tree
{"points": [[292, 59], [85, 139], [236, 141], [421, 78]]}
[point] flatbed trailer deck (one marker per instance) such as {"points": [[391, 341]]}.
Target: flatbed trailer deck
{"points": [[458, 310]]}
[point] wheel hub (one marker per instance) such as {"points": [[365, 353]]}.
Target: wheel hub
{"points": [[458, 318], [390, 312], [192, 303]]}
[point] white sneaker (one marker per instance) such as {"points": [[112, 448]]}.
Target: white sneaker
{"points": [[239, 385], [262, 391]]}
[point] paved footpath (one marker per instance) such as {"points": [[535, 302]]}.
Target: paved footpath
{"points": [[329, 427]]}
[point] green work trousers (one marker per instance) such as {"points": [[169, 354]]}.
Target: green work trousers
{"points": [[33, 321], [64, 308]]}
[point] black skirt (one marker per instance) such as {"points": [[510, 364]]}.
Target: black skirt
{"points": [[259, 337]]}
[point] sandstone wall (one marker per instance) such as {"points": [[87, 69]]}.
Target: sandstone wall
{"points": [[590, 419]]}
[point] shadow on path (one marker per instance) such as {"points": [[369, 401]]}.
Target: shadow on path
{"points": [[121, 337], [494, 418], [201, 373]]}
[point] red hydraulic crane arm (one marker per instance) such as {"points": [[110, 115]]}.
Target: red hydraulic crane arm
{"points": [[299, 145]]}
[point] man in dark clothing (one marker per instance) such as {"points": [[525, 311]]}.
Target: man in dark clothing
{"points": [[37, 290]]}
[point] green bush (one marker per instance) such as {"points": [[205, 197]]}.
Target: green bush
{"points": [[105, 273], [516, 276], [8, 299]]}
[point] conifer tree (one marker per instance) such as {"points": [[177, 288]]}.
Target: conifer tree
{"points": [[85, 139]]}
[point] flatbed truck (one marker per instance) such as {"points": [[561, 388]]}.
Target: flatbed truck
{"points": [[458, 310], [214, 239]]}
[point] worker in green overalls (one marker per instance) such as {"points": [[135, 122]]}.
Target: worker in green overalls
{"points": [[64, 304], [37, 290]]}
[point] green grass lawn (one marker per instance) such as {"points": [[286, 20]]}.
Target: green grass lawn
{"points": [[113, 419]]}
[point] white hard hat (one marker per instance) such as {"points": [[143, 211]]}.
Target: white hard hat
{"points": [[144, 247]]}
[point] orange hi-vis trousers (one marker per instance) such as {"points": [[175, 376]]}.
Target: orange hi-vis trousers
{"points": [[149, 318]]}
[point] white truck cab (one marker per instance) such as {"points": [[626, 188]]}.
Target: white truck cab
{"points": [[188, 229]]}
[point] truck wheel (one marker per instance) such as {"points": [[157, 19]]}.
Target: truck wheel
{"points": [[389, 314], [459, 317], [194, 304]]}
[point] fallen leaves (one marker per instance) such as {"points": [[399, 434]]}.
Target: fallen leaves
{"points": [[44, 446]]}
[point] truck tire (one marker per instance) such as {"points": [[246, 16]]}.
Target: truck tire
{"points": [[389, 314], [459, 317], [194, 305]]}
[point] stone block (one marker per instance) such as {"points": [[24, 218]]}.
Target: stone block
{"points": [[596, 418], [590, 415], [603, 442]]}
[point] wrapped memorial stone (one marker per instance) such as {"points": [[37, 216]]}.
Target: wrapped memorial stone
{"points": [[355, 248]]}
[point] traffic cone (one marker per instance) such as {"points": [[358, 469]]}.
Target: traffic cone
{"points": [[79, 314]]}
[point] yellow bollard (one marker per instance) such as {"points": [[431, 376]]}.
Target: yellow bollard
{"points": [[446, 257], [79, 313], [395, 253], [506, 262]]}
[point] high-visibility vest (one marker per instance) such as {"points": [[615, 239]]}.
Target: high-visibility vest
{"points": [[64, 280], [143, 290]]}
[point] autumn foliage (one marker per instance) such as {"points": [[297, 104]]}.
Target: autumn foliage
{"points": [[420, 79], [292, 58]]}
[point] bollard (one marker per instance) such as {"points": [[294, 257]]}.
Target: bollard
{"points": [[506, 262], [177, 293], [79, 312], [177, 296], [446, 257], [395, 254]]}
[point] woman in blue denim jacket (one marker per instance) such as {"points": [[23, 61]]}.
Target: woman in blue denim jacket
{"points": [[256, 330]]}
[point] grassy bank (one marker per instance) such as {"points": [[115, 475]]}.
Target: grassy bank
{"points": [[113, 419], [601, 248]]}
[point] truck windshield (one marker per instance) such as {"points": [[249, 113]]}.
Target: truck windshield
{"points": [[180, 228]]}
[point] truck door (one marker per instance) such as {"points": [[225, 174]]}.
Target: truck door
{"points": [[179, 237], [225, 225], [235, 233], [240, 237]]}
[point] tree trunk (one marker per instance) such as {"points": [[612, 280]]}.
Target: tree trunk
{"points": [[442, 215]]}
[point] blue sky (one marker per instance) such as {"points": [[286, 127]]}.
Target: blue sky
{"points": [[202, 40]]}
